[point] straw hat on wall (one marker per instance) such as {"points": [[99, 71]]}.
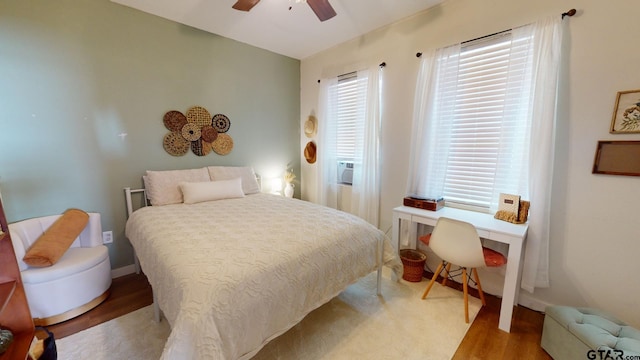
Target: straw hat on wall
{"points": [[311, 126], [310, 152]]}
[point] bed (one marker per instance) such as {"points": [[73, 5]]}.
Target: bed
{"points": [[232, 273]]}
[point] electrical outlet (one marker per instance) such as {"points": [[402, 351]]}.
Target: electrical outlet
{"points": [[107, 237]]}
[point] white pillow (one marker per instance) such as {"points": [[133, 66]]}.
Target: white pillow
{"points": [[162, 186], [195, 192], [249, 182]]}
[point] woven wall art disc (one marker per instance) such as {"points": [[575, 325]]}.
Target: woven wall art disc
{"points": [[174, 120], [223, 144], [175, 144], [209, 133], [221, 123], [201, 147], [199, 116], [191, 132]]}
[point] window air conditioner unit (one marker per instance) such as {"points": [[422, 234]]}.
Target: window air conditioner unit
{"points": [[345, 172]]}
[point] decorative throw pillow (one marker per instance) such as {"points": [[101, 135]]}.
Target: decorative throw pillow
{"points": [[211, 190], [163, 186], [249, 182], [55, 241]]}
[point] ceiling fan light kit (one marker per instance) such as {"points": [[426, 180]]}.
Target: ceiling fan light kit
{"points": [[323, 10]]}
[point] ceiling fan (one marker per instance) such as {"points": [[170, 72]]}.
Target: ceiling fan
{"points": [[322, 8]]}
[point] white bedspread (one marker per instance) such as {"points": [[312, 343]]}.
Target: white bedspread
{"points": [[232, 274]]}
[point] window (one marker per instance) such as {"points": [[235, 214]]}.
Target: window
{"points": [[349, 94], [349, 112], [479, 128], [490, 128]]}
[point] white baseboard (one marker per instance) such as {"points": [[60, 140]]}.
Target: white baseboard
{"points": [[122, 271], [527, 300]]}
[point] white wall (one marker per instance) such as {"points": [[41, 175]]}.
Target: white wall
{"points": [[595, 228]]}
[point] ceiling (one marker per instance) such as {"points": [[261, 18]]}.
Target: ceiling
{"points": [[270, 25]]}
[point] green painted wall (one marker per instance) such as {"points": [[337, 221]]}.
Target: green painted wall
{"points": [[76, 74]]}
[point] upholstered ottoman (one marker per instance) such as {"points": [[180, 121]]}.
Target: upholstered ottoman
{"points": [[584, 333]]}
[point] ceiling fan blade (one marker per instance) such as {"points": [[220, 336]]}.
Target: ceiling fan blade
{"points": [[245, 5], [322, 8]]}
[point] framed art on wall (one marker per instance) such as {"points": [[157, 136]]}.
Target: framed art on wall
{"points": [[626, 113], [617, 158]]}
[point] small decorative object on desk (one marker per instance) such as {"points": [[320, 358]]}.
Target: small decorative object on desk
{"points": [[289, 176], [6, 338], [512, 209], [509, 203], [432, 204]]}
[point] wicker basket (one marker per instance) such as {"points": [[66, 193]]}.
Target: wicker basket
{"points": [[413, 262]]}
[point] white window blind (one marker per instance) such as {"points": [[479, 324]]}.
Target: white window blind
{"points": [[480, 120], [350, 104]]}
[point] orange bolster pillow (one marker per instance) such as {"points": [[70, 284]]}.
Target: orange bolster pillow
{"points": [[55, 241]]}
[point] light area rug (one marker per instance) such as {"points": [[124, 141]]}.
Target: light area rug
{"points": [[357, 324]]}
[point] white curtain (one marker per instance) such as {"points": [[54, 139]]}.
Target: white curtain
{"points": [[427, 168], [365, 189], [430, 135], [547, 35], [326, 159]]}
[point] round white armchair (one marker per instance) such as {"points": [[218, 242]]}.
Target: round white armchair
{"points": [[75, 284]]}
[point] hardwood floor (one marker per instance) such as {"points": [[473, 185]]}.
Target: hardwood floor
{"points": [[128, 293], [483, 340]]}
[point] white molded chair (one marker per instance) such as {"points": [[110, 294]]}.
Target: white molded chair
{"points": [[75, 284], [457, 242]]}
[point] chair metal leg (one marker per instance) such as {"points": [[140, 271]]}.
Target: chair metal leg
{"points": [[433, 280], [466, 296], [446, 277], [480, 292]]}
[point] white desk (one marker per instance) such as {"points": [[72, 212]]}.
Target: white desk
{"points": [[489, 228]]}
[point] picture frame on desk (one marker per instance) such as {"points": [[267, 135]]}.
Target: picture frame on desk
{"points": [[509, 203]]}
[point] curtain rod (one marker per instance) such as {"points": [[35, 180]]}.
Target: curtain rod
{"points": [[382, 64], [568, 13]]}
